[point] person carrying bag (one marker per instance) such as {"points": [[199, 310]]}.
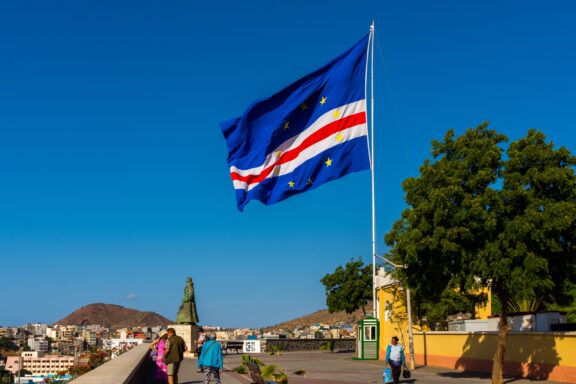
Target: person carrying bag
{"points": [[395, 359], [210, 360]]}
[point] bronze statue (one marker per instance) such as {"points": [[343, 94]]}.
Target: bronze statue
{"points": [[187, 313]]}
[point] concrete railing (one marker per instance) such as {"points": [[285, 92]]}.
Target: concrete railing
{"points": [[131, 367]]}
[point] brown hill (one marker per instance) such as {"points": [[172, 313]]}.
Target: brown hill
{"points": [[113, 316], [322, 317]]}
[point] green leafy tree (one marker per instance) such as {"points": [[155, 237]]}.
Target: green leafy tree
{"points": [[49, 340], [8, 344], [98, 358], [474, 218], [79, 370], [23, 372], [349, 288], [6, 377], [276, 349], [569, 308], [450, 302], [329, 345]]}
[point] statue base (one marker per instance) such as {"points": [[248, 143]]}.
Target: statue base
{"points": [[189, 332]]}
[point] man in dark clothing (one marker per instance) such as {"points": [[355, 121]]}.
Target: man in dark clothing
{"points": [[174, 354]]}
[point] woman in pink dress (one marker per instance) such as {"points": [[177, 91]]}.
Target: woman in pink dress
{"points": [[159, 345]]}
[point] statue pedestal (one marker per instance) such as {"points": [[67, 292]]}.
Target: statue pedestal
{"points": [[189, 332]]}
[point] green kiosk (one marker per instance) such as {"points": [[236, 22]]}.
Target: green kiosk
{"points": [[368, 338]]}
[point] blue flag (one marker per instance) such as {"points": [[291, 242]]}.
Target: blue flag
{"points": [[309, 133]]}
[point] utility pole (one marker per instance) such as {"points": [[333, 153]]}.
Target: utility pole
{"points": [[410, 336]]}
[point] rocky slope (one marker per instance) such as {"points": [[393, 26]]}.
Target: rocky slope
{"points": [[322, 317], [113, 316]]}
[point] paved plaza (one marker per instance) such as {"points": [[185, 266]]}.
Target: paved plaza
{"points": [[337, 368]]}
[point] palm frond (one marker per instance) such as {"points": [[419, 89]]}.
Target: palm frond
{"points": [[268, 371]]}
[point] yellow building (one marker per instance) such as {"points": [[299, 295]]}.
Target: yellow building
{"points": [[391, 308], [536, 355]]}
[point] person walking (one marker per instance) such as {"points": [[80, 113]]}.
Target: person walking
{"points": [[174, 354], [395, 357], [159, 345], [210, 359]]}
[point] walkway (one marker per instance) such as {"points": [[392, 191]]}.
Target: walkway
{"points": [[337, 368], [188, 374]]}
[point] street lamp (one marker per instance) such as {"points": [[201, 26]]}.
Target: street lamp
{"points": [[409, 310]]}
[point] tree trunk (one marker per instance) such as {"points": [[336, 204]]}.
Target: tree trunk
{"points": [[498, 363]]}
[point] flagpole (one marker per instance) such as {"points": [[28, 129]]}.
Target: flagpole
{"points": [[373, 171], [374, 254]]}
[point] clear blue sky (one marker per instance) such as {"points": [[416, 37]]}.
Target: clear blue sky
{"points": [[113, 177]]}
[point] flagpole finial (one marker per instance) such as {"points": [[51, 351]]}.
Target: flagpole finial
{"points": [[372, 26]]}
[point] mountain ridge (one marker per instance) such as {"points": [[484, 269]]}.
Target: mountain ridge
{"points": [[322, 316], [113, 316]]}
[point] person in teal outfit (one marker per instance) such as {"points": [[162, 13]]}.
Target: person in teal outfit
{"points": [[210, 359], [395, 357]]}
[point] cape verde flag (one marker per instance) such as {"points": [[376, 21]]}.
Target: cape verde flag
{"points": [[309, 133]]}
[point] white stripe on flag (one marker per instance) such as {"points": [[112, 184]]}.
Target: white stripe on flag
{"points": [[308, 153], [294, 142]]}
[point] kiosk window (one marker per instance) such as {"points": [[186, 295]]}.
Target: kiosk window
{"points": [[369, 332]]}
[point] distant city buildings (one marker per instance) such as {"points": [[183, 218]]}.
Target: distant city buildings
{"points": [[38, 343], [314, 331], [39, 364], [50, 349], [74, 339], [46, 350]]}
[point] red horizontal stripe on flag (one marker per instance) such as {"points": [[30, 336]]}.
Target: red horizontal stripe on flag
{"points": [[319, 135]]}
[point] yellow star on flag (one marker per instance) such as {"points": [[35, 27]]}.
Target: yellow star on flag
{"points": [[277, 154], [291, 184], [310, 181], [287, 125], [328, 162], [303, 106], [323, 100], [336, 114], [339, 137]]}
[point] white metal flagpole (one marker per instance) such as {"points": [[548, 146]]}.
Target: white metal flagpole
{"points": [[374, 254], [373, 171]]}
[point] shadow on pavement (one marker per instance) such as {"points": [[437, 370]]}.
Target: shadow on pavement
{"points": [[475, 375], [465, 375]]}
